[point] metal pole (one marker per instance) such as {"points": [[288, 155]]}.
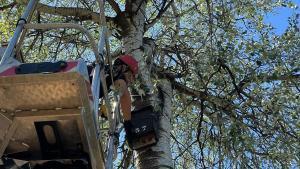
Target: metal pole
{"points": [[109, 161], [96, 83], [95, 90], [112, 120], [22, 21], [113, 133]]}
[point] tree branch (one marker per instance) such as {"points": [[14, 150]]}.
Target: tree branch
{"points": [[159, 15], [128, 5], [238, 89], [7, 6], [177, 21], [220, 102], [115, 6], [82, 13], [264, 77]]}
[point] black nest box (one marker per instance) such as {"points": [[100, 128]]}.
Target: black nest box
{"points": [[144, 131]]}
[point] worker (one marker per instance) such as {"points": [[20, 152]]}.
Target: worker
{"points": [[125, 70]]}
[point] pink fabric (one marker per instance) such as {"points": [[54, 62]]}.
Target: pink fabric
{"points": [[70, 66], [9, 72]]}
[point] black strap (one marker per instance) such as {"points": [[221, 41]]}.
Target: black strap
{"points": [[44, 67], [21, 19]]}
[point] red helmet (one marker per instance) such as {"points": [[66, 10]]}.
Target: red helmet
{"points": [[130, 62]]}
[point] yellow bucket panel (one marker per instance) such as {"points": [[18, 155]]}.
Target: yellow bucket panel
{"points": [[40, 91]]}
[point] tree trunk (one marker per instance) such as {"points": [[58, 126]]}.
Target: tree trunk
{"points": [[158, 156]]}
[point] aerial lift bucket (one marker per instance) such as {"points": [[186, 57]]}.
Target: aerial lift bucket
{"points": [[46, 114]]}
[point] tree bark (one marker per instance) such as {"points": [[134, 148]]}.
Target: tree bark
{"points": [[158, 156]]}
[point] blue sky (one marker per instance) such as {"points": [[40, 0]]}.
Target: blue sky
{"points": [[279, 17]]}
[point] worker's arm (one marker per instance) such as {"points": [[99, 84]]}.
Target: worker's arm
{"points": [[125, 99]]}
